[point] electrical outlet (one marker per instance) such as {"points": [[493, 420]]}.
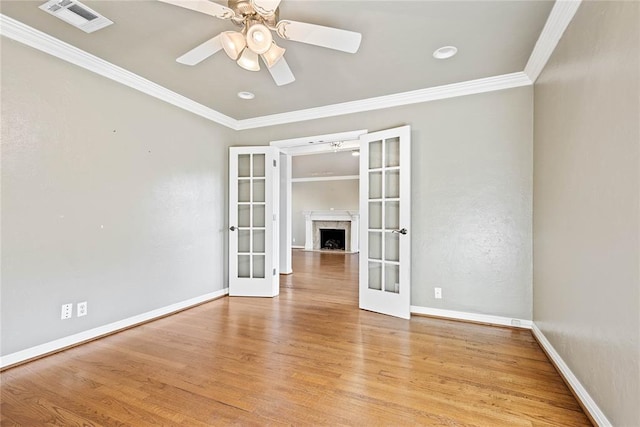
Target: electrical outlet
{"points": [[67, 311], [82, 309], [437, 293]]}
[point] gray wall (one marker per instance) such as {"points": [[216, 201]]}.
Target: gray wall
{"points": [[586, 215], [471, 195], [320, 195], [108, 196]]}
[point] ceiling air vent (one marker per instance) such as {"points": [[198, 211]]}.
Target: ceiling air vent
{"points": [[76, 14]]}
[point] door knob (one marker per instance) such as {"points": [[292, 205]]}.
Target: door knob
{"points": [[233, 228], [401, 231]]}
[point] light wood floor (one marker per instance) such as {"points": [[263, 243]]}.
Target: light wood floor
{"points": [[308, 357]]}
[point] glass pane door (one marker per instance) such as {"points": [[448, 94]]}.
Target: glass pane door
{"points": [[253, 194], [385, 213]]}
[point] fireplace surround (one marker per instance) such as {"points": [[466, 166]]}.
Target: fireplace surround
{"points": [[333, 219]]}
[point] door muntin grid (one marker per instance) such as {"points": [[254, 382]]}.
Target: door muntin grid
{"points": [[251, 210], [384, 215]]}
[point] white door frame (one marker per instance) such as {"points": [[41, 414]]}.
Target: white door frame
{"points": [[315, 144]]}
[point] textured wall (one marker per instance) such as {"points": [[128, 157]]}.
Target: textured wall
{"points": [[586, 215], [108, 196], [471, 195]]}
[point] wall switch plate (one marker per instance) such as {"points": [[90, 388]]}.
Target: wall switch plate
{"points": [[437, 293], [82, 309], [67, 311]]}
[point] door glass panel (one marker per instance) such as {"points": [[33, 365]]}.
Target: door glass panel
{"points": [[391, 278], [258, 241], [258, 216], [375, 245], [258, 266], [375, 275], [392, 152], [258, 165], [258, 190], [375, 185], [244, 269], [375, 155], [375, 215], [392, 184], [244, 190], [392, 215], [391, 246], [244, 165], [244, 241], [244, 218]]}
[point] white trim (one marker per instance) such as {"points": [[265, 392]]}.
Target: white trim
{"points": [[326, 178], [559, 18], [577, 387], [558, 21], [29, 36], [471, 87], [473, 317], [297, 247], [71, 340]]}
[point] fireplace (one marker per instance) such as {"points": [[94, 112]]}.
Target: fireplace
{"points": [[345, 221], [332, 238]]}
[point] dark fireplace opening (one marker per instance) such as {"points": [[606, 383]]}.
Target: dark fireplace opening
{"points": [[332, 238]]}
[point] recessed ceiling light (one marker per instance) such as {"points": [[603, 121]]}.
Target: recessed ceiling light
{"points": [[445, 52], [246, 95], [355, 153]]}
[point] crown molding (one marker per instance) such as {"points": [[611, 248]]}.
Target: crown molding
{"points": [[29, 36], [471, 87], [559, 18]]}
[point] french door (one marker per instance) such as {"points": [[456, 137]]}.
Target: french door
{"points": [[385, 204], [253, 224]]}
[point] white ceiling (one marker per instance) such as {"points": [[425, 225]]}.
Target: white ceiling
{"points": [[494, 38], [325, 165]]}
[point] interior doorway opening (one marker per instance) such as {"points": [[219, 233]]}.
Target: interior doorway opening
{"points": [[331, 170]]}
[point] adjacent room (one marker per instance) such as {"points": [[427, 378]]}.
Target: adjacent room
{"points": [[323, 212]]}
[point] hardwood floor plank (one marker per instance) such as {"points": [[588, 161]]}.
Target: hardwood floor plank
{"points": [[307, 357]]}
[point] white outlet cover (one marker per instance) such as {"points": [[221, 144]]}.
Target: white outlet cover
{"points": [[82, 309], [66, 312]]}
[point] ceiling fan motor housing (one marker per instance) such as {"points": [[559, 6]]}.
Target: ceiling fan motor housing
{"points": [[244, 11]]}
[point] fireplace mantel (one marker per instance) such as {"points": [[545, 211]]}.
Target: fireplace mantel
{"points": [[352, 217]]}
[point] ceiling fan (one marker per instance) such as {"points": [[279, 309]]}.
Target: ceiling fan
{"points": [[258, 18]]}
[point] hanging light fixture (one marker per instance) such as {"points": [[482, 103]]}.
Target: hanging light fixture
{"points": [[259, 38], [273, 55], [233, 43], [249, 60]]}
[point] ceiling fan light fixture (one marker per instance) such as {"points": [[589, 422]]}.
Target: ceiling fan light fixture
{"points": [[259, 38], [249, 60], [232, 42], [273, 55]]}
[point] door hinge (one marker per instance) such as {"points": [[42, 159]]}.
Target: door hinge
{"points": [[274, 271], [274, 163]]}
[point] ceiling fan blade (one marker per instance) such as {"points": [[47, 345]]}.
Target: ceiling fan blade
{"points": [[332, 38], [281, 72], [265, 7], [202, 52], [203, 6]]}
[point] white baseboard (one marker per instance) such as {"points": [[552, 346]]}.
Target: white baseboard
{"points": [[71, 340], [588, 403], [297, 247], [472, 317]]}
